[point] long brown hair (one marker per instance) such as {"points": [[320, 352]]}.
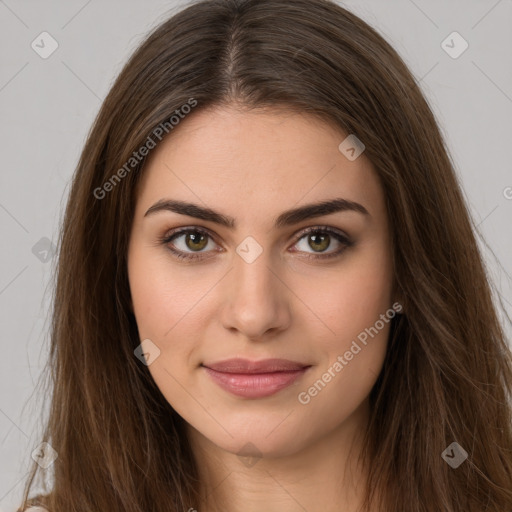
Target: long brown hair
{"points": [[447, 376]]}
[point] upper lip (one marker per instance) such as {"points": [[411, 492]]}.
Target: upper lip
{"points": [[239, 365]]}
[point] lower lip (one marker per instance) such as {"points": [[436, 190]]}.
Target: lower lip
{"points": [[255, 385]]}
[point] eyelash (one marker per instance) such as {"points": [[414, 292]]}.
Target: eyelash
{"points": [[340, 237]]}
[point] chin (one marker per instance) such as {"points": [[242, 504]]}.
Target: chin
{"points": [[257, 440]]}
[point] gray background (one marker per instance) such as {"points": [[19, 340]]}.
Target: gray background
{"points": [[48, 106]]}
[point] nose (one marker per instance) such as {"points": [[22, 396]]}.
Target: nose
{"points": [[257, 300]]}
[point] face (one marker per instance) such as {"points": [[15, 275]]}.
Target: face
{"points": [[238, 276]]}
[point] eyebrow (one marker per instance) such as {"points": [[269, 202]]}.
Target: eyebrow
{"points": [[287, 218]]}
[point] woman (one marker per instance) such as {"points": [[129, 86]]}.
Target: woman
{"points": [[269, 292]]}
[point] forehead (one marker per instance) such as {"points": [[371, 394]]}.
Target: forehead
{"points": [[251, 160]]}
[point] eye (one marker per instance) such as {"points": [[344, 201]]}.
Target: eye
{"points": [[193, 239], [320, 238], [185, 242]]}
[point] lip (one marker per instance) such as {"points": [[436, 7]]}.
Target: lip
{"points": [[239, 365], [255, 379]]}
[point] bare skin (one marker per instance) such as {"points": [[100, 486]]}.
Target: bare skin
{"points": [[276, 453]]}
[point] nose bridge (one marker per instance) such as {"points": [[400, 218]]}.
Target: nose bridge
{"points": [[254, 277], [257, 299]]}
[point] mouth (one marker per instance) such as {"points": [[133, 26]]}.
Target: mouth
{"points": [[255, 379]]}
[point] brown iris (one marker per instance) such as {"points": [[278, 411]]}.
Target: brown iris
{"points": [[198, 240], [320, 242]]}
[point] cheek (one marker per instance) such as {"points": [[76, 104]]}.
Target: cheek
{"points": [[163, 302], [358, 306], [169, 307], [356, 295], [161, 296]]}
